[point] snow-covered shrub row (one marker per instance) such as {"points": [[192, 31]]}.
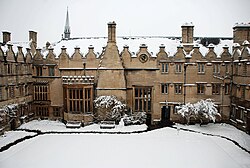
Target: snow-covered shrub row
{"points": [[137, 118], [203, 109]]}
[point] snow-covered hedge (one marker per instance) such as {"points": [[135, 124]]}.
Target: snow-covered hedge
{"points": [[108, 108], [203, 109], [137, 118]]}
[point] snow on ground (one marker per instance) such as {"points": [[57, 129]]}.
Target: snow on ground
{"points": [[12, 136], [223, 129], [48, 126], [160, 148]]}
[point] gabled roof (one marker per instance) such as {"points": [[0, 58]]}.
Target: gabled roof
{"points": [[134, 43]]}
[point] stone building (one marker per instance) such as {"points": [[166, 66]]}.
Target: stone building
{"points": [[150, 74], [240, 91], [16, 83]]}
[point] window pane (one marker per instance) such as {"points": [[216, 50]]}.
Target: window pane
{"points": [[136, 92], [136, 104], [162, 88], [162, 67], [166, 67]]}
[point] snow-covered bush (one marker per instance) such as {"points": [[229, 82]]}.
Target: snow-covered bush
{"points": [[186, 111], [136, 118], [206, 109], [108, 108], [8, 110], [203, 109]]}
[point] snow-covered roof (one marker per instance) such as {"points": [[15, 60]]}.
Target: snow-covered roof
{"points": [[15, 46], [134, 43], [245, 43], [242, 25], [188, 24], [236, 45]]}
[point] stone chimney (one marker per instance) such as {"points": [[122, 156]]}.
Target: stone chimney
{"points": [[91, 48], [47, 45], [6, 37], [187, 36], [112, 32], [241, 32], [33, 37], [187, 32], [77, 49], [63, 49]]}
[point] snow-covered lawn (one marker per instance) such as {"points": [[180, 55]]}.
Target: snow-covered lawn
{"points": [[225, 130], [12, 136], [166, 147]]}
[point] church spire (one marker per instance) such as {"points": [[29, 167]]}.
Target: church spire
{"points": [[67, 28]]}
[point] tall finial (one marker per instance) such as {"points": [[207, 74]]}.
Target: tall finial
{"points": [[67, 27]]}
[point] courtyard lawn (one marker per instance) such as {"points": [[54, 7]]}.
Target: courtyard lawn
{"points": [[166, 147]]}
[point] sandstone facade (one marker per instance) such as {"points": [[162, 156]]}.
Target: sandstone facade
{"points": [[63, 86]]}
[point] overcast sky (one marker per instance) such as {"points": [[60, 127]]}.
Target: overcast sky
{"points": [[133, 17]]}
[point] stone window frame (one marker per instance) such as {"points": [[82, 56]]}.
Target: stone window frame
{"points": [[51, 70], [227, 68], [42, 111], [56, 111], [164, 88], [216, 88], [142, 98], [178, 88], [178, 67], [244, 69], [201, 68], [227, 88], [216, 68], [243, 92], [11, 91], [201, 88], [39, 70], [79, 99], [233, 112], [10, 68], [164, 67], [41, 92], [21, 90]]}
